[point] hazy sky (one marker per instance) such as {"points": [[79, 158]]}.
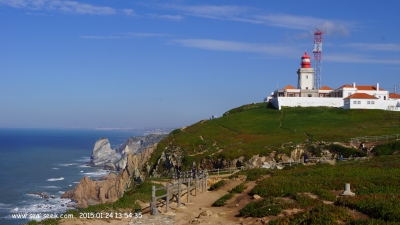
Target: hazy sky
{"points": [[146, 64]]}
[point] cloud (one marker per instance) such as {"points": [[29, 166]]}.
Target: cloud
{"points": [[249, 15], [357, 58], [374, 47], [126, 36], [212, 11], [140, 35], [232, 46], [308, 23], [128, 12], [65, 6], [99, 37], [168, 17]]}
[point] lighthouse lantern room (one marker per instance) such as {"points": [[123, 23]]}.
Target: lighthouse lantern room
{"points": [[306, 76]]}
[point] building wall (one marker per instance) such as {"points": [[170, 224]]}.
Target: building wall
{"points": [[306, 78], [378, 104], [306, 102]]}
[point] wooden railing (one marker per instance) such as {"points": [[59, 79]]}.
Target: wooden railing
{"points": [[375, 138], [193, 181]]}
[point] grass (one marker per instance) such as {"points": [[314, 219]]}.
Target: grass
{"points": [[375, 182], [256, 129], [217, 185]]}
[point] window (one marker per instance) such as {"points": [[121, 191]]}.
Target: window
{"points": [[297, 95], [306, 76], [372, 102], [290, 95], [354, 102], [348, 94], [359, 102], [368, 102], [321, 95]]}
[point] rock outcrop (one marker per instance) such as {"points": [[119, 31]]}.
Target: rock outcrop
{"points": [[116, 159], [103, 154], [89, 192]]}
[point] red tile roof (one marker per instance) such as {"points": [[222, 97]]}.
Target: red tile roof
{"points": [[289, 87], [394, 95], [361, 96], [325, 88], [361, 87], [367, 88]]}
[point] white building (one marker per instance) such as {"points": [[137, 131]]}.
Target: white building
{"points": [[347, 96]]}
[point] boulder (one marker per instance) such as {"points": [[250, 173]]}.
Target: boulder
{"points": [[103, 154]]}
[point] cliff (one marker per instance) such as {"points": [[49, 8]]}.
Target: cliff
{"points": [[116, 159], [89, 192]]}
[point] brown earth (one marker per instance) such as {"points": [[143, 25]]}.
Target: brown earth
{"points": [[201, 211]]}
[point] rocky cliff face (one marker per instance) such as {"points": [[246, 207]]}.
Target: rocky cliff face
{"points": [[89, 192], [116, 159], [103, 154]]}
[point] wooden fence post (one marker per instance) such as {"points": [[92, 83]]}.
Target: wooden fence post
{"points": [[167, 199], [188, 190], [195, 185], [179, 193], [153, 204]]}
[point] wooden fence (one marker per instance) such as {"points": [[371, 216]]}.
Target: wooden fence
{"points": [[192, 181], [375, 138]]}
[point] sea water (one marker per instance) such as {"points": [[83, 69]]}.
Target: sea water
{"points": [[49, 162]]}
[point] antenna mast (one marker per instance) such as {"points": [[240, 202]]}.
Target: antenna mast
{"points": [[317, 58]]}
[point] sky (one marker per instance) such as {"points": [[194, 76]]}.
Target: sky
{"points": [[168, 64]]}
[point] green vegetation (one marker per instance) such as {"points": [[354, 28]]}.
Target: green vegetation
{"points": [[387, 149], [375, 182], [258, 129], [222, 201], [217, 185], [238, 189]]}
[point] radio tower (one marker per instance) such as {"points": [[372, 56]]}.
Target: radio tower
{"points": [[317, 58]]}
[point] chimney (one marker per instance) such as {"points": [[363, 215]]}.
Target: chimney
{"points": [[377, 86], [354, 84]]}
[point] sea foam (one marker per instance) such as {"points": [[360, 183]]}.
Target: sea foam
{"points": [[55, 179]]}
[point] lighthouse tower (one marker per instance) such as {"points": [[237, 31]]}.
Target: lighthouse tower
{"points": [[306, 77]]}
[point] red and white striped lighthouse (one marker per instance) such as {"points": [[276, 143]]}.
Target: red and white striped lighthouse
{"points": [[305, 61]]}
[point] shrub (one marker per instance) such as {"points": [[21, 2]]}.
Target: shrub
{"points": [[238, 189], [222, 201], [255, 174], [346, 152], [387, 149], [217, 185], [266, 207]]}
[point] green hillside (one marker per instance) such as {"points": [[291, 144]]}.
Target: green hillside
{"points": [[258, 129]]}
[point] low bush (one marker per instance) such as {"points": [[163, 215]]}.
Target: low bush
{"points": [[387, 149], [222, 201], [238, 189], [346, 152], [217, 185], [266, 207], [255, 174]]}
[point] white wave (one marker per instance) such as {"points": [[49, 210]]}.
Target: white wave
{"points": [[81, 171], [98, 173], [67, 164], [5, 207], [55, 168], [51, 187], [55, 179], [83, 159], [85, 166]]}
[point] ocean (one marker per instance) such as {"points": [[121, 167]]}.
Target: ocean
{"points": [[46, 161]]}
